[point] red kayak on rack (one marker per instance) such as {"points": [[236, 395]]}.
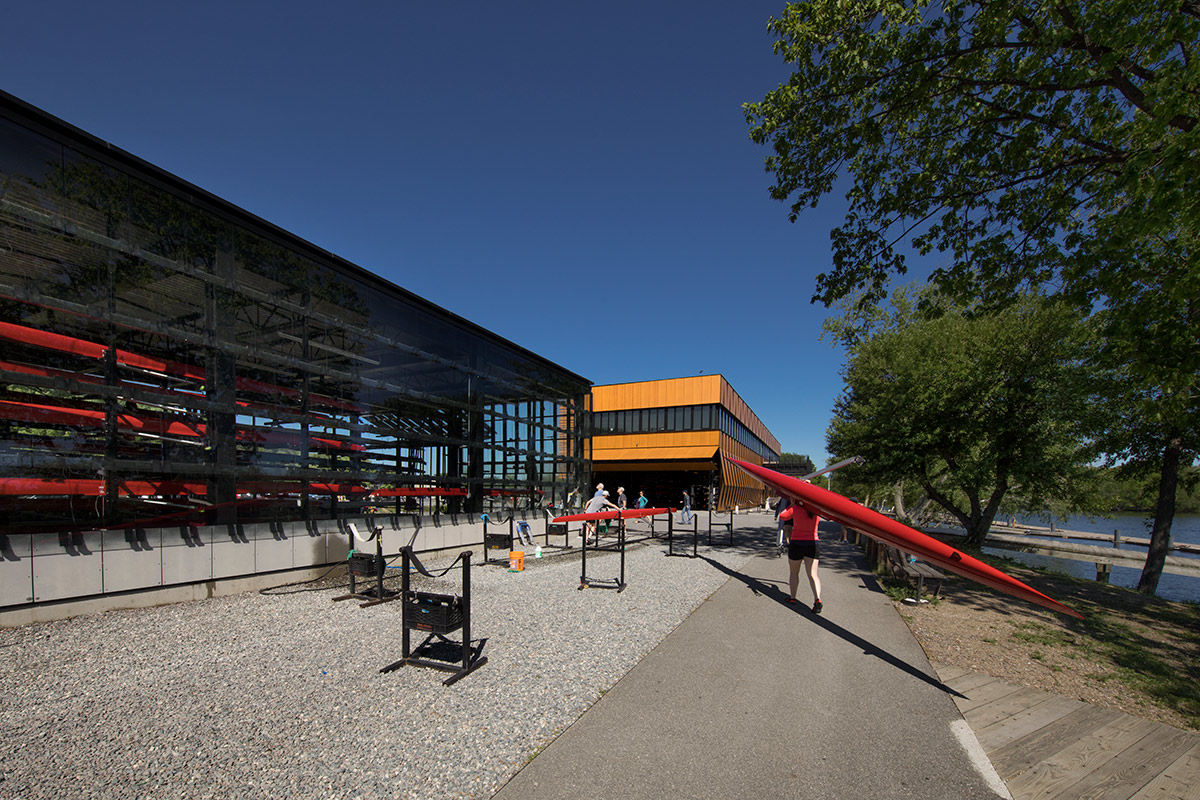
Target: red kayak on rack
{"points": [[81, 347], [885, 529], [149, 423], [629, 513]]}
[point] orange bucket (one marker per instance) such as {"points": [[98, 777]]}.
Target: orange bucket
{"points": [[516, 560]]}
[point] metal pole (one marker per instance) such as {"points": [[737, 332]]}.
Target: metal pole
{"points": [[832, 467], [379, 565], [466, 609], [404, 584], [621, 534], [583, 554]]}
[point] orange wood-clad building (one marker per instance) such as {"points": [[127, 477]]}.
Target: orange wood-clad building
{"points": [[667, 436]]}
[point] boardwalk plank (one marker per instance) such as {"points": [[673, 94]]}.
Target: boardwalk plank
{"points": [[1051, 747], [1017, 755], [985, 695], [1032, 723], [1179, 781], [1134, 767], [1058, 775], [948, 673], [971, 682], [1004, 706]]}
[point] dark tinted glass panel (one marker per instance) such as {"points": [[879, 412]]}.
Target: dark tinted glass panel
{"points": [[29, 162], [158, 224], [182, 369], [95, 199]]}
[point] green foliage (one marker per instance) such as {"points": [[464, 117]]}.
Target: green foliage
{"points": [[1123, 490], [970, 407], [1044, 147], [900, 590], [853, 481], [796, 462], [1012, 135]]}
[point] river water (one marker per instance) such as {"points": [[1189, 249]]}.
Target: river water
{"points": [[1184, 528]]}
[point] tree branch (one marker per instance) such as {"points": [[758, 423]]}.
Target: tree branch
{"points": [[1117, 78]]}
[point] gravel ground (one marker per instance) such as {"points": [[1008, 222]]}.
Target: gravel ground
{"points": [[279, 694]]}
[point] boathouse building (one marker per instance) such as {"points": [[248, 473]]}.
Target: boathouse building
{"points": [[190, 395]]}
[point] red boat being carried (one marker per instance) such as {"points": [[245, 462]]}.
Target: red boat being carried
{"points": [[885, 529]]}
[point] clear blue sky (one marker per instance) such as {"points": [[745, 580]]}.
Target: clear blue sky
{"points": [[575, 177]]}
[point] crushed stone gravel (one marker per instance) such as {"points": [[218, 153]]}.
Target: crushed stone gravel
{"points": [[279, 693]]}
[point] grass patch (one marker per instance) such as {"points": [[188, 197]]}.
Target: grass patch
{"points": [[1148, 664], [1037, 633], [899, 589], [1128, 645]]}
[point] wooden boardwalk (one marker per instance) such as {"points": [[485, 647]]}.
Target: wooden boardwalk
{"points": [[1052, 747]]}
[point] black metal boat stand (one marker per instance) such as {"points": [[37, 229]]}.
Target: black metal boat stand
{"points": [[496, 541], [601, 583], [671, 537], [362, 565], [437, 615]]}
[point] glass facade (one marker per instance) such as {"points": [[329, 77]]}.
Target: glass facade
{"points": [[169, 360], [706, 417]]}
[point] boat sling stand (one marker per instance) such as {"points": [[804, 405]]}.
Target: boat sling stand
{"points": [[361, 565], [617, 583], [437, 615]]}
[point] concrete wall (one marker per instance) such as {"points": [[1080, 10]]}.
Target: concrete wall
{"points": [[45, 577]]}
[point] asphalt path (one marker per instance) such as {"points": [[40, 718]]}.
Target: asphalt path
{"points": [[754, 697]]}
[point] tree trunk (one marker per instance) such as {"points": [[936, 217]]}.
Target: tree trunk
{"points": [[1164, 514], [898, 500], [963, 517], [918, 514], [980, 522]]}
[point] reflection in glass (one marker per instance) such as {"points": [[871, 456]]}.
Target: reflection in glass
{"points": [[169, 361]]}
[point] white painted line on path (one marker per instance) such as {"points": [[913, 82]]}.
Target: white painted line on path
{"points": [[979, 760]]}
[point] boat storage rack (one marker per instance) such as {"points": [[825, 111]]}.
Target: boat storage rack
{"points": [[436, 615]]}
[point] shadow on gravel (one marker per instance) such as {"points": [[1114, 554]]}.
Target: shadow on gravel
{"points": [[773, 592], [447, 651]]}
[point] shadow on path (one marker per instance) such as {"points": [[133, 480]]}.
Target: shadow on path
{"points": [[769, 590]]}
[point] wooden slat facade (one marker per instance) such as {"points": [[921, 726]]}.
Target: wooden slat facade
{"points": [[697, 391]]}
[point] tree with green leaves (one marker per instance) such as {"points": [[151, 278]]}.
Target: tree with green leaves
{"points": [[971, 407], [1042, 145], [1151, 361], [795, 464]]}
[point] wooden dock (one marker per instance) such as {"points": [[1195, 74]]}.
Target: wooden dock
{"points": [[1175, 565], [1052, 747], [1048, 543], [1116, 539]]}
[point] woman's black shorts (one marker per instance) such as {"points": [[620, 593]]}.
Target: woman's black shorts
{"points": [[803, 549]]}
